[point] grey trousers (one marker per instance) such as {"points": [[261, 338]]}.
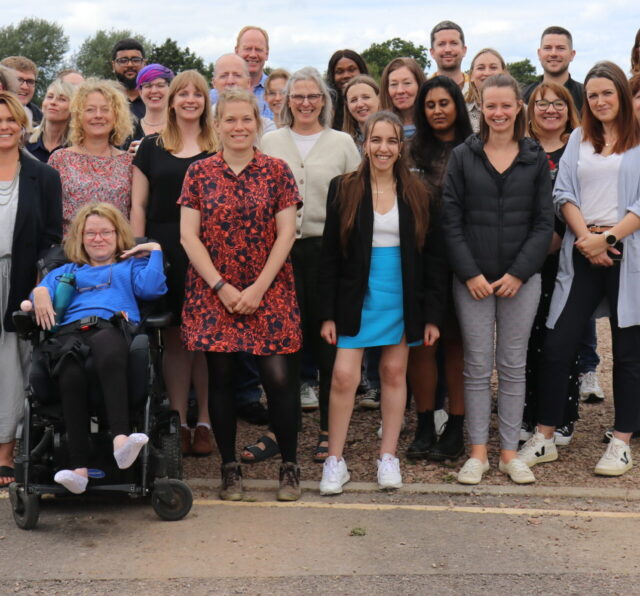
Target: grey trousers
{"points": [[499, 326]]}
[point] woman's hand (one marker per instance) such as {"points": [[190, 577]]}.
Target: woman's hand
{"points": [[328, 332], [43, 308], [229, 296], [479, 287], [140, 250], [601, 260], [250, 299], [507, 286], [592, 245], [431, 334]]}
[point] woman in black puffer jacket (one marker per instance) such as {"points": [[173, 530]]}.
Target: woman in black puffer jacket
{"points": [[498, 223]]}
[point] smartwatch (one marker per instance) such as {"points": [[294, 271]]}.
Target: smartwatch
{"points": [[610, 238]]}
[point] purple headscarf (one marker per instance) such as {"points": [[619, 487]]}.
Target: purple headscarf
{"points": [[151, 72]]}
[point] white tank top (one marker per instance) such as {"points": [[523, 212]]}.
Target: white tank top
{"points": [[386, 227]]}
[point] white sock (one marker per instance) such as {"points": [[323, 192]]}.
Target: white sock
{"points": [[74, 483], [205, 424], [127, 454]]}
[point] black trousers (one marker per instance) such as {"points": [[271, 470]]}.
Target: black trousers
{"points": [[109, 352], [590, 285]]}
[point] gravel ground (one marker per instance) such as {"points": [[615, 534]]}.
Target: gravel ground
{"points": [[573, 468]]}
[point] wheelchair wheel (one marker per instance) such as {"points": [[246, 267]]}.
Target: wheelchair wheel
{"points": [[172, 450], [173, 500], [26, 507]]}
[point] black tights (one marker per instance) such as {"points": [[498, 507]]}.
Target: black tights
{"points": [[109, 353], [282, 402]]}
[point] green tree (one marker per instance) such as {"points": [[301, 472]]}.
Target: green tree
{"points": [[378, 55], [93, 59], [523, 71], [42, 41], [169, 54]]}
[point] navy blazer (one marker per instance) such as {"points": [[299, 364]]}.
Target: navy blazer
{"points": [[38, 226], [344, 275]]}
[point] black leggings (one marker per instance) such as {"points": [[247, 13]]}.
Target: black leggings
{"points": [[109, 352], [282, 402]]}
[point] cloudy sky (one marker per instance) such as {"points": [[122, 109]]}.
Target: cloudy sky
{"points": [[306, 32]]}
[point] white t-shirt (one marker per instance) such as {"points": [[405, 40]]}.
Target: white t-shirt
{"points": [[386, 227], [305, 143], [598, 178]]}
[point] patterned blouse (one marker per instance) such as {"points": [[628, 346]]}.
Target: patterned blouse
{"points": [[87, 178]]}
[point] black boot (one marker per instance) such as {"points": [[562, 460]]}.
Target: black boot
{"points": [[425, 437], [451, 442]]}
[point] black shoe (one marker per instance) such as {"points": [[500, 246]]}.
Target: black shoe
{"points": [[451, 442], [254, 413], [425, 437]]}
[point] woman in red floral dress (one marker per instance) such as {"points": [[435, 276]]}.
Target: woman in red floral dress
{"points": [[237, 226]]}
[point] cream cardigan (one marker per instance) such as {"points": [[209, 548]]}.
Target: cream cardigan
{"points": [[334, 154]]}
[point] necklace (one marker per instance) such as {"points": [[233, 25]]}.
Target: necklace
{"points": [[85, 151], [145, 121], [6, 193]]}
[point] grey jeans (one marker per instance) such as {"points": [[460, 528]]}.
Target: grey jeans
{"points": [[501, 326]]}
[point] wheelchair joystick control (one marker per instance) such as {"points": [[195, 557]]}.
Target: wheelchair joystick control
{"points": [[62, 298]]}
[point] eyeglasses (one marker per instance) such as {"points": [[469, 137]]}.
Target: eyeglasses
{"points": [[27, 82], [105, 234], [106, 284], [135, 60], [311, 98], [558, 104], [158, 85]]}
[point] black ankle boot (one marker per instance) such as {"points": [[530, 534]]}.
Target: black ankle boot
{"points": [[451, 442], [425, 437]]}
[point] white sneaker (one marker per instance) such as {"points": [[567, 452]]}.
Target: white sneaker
{"points": [[389, 472], [616, 459], [518, 471], [308, 398], [334, 476], [472, 471], [440, 418], [590, 390], [538, 450], [402, 428]]}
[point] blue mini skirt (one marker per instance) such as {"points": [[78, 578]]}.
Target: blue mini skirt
{"points": [[382, 321]]}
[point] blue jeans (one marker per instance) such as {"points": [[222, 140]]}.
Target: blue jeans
{"points": [[588, 359], [248, 387]]}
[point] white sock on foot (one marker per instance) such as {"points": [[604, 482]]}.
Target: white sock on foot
{"points": [[74, 483], [127, 454]]}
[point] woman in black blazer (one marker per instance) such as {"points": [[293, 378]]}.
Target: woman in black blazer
{"points": [[30, 222], [380, 284]]}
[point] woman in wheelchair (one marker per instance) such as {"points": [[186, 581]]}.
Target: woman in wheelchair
{"points": [[108, 282]]}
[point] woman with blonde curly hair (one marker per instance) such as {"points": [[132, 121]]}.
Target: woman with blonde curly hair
{"points": [[93, 166]]}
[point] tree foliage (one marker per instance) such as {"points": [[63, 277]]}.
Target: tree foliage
{"points": [[169, 54], [523, 71], [93, 59], [378, 55], [42, 41]]}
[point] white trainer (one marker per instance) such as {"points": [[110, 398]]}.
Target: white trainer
{"points": [[590, 390], [616, 459], [334, 476], [308, 398], [472, 471], [389, 472], [518, 471], [538, 450]]}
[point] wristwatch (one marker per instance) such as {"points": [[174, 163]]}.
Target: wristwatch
{"points": [[610, 238]]}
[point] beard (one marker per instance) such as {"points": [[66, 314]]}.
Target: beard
{"points": [[129, 84]]}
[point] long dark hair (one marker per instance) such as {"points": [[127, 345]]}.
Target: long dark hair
{"points": [[626, 123], [426, 148], [635, 55], [336, 93], [353, 186]]}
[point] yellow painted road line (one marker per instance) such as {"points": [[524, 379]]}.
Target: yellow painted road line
{"points": [[426, 508]]}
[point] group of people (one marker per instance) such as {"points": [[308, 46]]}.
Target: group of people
{"points": [[322, 231]]}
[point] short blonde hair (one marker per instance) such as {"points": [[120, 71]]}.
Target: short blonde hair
{"points": [[74, 240], [252, 28], [60, 89], [234, 94], [112, 92], [15, 108]]}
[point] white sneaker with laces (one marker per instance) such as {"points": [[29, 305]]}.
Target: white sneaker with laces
{"points": [[518, 471], [334, 476], [308, 398], [616, 459], [538, 450], [590, 390], [472, 471], [389, 472]]}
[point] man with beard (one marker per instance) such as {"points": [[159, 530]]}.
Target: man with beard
{"points": [[127, 58], [448, 50], [556, 53]]}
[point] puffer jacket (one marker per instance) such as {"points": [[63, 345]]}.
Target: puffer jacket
{"points": [[497, 223]]}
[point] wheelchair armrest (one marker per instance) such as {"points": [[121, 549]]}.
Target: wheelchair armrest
{"points": [[25, 323], [158, 321]]}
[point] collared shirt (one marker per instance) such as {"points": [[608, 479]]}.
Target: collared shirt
{"points": [[39, 151], [465, 81], [576, 89], [137, 107], [258, 91]]}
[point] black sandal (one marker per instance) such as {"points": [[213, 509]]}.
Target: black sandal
{"points": [[270, 449], [321, 453], [7, 472]]}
